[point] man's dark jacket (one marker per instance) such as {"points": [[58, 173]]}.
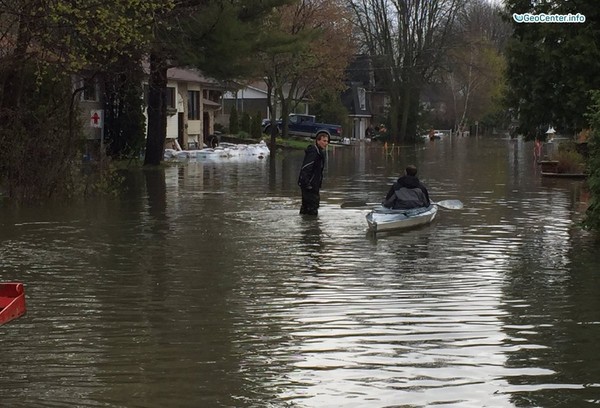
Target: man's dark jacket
{"points": [[401, 189], [311, 173]]}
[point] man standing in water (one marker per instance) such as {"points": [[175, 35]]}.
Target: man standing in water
{"points": [[311, 175]]}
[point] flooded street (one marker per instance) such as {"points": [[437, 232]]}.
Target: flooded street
{"points": [[201, 286]]}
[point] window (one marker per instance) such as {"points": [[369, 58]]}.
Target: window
{"points": [[90, 90], [362, 98], [170, 97], [194, 105]]}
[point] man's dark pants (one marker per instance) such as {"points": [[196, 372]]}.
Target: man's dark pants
{"points": [[310, 202]]}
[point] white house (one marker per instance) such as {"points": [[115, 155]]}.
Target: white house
{"points": [[192, 103]]}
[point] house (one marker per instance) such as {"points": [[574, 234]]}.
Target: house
{"points": [[252, 98], [91, 106], [193, 102], [365, 102]]}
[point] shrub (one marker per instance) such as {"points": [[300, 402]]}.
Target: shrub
{"points": [[569, 160], [40, 142], [256, 126], [234, 124], [245, 122]]}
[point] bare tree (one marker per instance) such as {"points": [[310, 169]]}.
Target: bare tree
{"points": [[476, 66], [408, 40], [314, 48]]}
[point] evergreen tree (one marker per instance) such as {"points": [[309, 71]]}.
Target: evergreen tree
{"points": [[245, 122], [234, 123], [592, 219], [256, 126], [551, 67]]}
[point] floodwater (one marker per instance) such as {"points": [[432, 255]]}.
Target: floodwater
{"points": [[201, 286]]}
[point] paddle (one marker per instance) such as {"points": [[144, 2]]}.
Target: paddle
{"points": [[357, 204], [448, 204]]}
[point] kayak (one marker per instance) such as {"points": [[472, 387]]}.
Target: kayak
{"points": [[12, 301], [385, 219]]}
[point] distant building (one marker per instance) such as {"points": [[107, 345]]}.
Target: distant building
{"points": [[365, 101], [193, 102], [252, 98]]}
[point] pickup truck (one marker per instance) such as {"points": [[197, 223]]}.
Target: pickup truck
{"points": [[306, 126]]}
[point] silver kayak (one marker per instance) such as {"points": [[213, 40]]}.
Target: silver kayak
{"points": [[385, 219]]}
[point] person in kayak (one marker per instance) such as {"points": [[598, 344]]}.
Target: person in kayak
{"points": [[311, 175], [407, 192]]}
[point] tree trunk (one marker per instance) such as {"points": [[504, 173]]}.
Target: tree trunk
{"points": [[272, 118], [157, 111], [13, 81], [405, 102], [394, 119], [413, 116], [285, 113]]}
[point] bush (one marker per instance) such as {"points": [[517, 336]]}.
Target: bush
{"points": [[234, 124], [40, 142], [256, 126], [569, 159], [245, 122]]}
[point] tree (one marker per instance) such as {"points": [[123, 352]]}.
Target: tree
{"points": [[408, 41], [328, 106], [256, 126], [592, 219], [245, 122], [43, 45], [124, 124], [475, 72], [219, 37], [551, 67], [234, 121], [310, 46]]}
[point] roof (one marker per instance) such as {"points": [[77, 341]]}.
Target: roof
{"points": [[188, 75], [192, 75], [210, 104]]}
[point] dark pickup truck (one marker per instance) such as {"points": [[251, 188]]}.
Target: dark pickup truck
{"points": [[306, 126]]}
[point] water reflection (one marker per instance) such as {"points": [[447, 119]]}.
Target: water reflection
{"points": [[311, 242], [202, 286]]}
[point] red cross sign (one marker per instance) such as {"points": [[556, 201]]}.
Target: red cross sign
{"points": [[96, 118]]}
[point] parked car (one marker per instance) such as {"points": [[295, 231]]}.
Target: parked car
{"points": [[305, 126]]}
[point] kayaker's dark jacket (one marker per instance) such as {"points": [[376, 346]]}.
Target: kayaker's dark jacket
{"points": [[311, 173], [407, 192]]}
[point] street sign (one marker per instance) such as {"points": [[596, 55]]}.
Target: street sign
{"points": [[96, 118]]}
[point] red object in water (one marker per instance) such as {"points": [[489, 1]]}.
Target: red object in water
{"points": [[12, 301]]}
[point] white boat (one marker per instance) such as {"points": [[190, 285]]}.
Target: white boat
{"points": [[385, 219]]}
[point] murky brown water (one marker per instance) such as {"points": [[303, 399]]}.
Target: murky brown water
{"points": [[203, 287]]}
